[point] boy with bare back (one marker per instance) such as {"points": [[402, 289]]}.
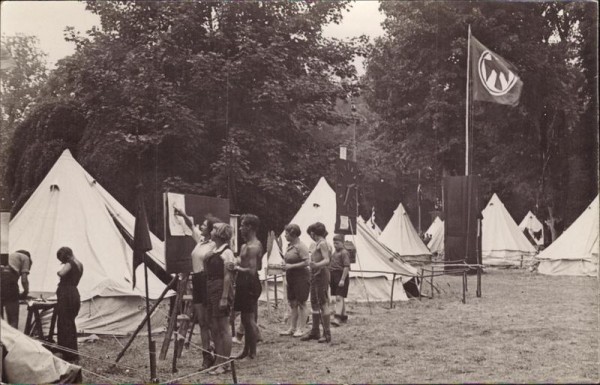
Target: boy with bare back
{"points": [[247, 283]]}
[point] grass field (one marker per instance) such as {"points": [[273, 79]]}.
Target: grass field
{"points": [[526, 328]]}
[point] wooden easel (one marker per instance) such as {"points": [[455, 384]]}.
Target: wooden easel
{"points": [[180, 320]]}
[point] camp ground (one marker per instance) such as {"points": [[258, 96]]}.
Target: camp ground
{"points": [[152, 154]]}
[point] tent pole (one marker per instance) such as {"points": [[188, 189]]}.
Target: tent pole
{"points": [[478, 281], [152, 347], [464, 279], [267, 291], [392, 293], [275, 294], [467, 144], [432, 269]]}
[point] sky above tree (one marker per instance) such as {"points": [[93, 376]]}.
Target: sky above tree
{"points": [[32, 18]]}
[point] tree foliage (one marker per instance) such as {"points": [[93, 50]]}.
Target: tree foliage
{"points": [[216, 98], [416, 82], [20, 86]]}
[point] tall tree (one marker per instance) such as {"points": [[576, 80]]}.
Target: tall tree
{"points": [[217, 97], [417, 76], [19, 87]]}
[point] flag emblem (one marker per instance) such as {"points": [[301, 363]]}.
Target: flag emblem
{"points": [[495, 77]]}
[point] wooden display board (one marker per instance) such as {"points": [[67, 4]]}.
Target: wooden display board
{"points": [[178, 247]]}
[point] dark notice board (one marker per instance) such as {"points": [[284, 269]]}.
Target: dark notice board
{"points": [[178, 248]]}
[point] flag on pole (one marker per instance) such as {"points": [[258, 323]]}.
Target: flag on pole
{"points": [[494, 78], [141, 233], [6, 59]]}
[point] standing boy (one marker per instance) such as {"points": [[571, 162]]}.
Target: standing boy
{"points": [[339, 269], [247, 283], [319, 284]]}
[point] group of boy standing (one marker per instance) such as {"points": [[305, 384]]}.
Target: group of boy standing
{"points": [[315, 270], [215, 269]]}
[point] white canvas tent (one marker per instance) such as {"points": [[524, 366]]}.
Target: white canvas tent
{"points": [[402, 238], [371, 225], [534, 227], [69, 208], [377, 262], [437, 223], [436, 243], [575, 252], [502, 243]]}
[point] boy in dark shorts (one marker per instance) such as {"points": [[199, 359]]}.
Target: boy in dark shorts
{"points": [[339, 270], [247, 283], [319, 284]]}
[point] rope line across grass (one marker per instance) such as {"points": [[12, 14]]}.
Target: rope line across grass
{"points": [[110, 380], [174, 380], [110, 363]]}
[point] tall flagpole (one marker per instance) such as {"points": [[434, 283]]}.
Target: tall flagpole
{"points": [[467, 103]]}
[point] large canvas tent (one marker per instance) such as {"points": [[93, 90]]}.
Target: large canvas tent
{"points": [[533, 227], [69, 208], [371, 275], [575, 252], [502, 243], [401, 237]]}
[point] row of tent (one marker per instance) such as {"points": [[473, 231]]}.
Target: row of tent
{"points": [[504, 242], [69, 208]]}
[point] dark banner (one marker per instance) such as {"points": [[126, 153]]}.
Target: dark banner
{"points": [[461, 213], [346, 191]]}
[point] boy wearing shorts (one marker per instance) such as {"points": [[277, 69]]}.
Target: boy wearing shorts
{"points": [[339, 270]]}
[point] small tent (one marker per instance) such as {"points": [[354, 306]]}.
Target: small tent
{"points": [[575, 252], [371, 225], [69, 208], [437, 223], [371, 275], [502, 243], [436, 243], [534, 228], [401, 237]]}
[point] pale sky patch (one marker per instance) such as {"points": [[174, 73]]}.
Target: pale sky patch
{"points": [[48, 19]]}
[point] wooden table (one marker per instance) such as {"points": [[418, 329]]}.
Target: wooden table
{"points": [[33, 325]]}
